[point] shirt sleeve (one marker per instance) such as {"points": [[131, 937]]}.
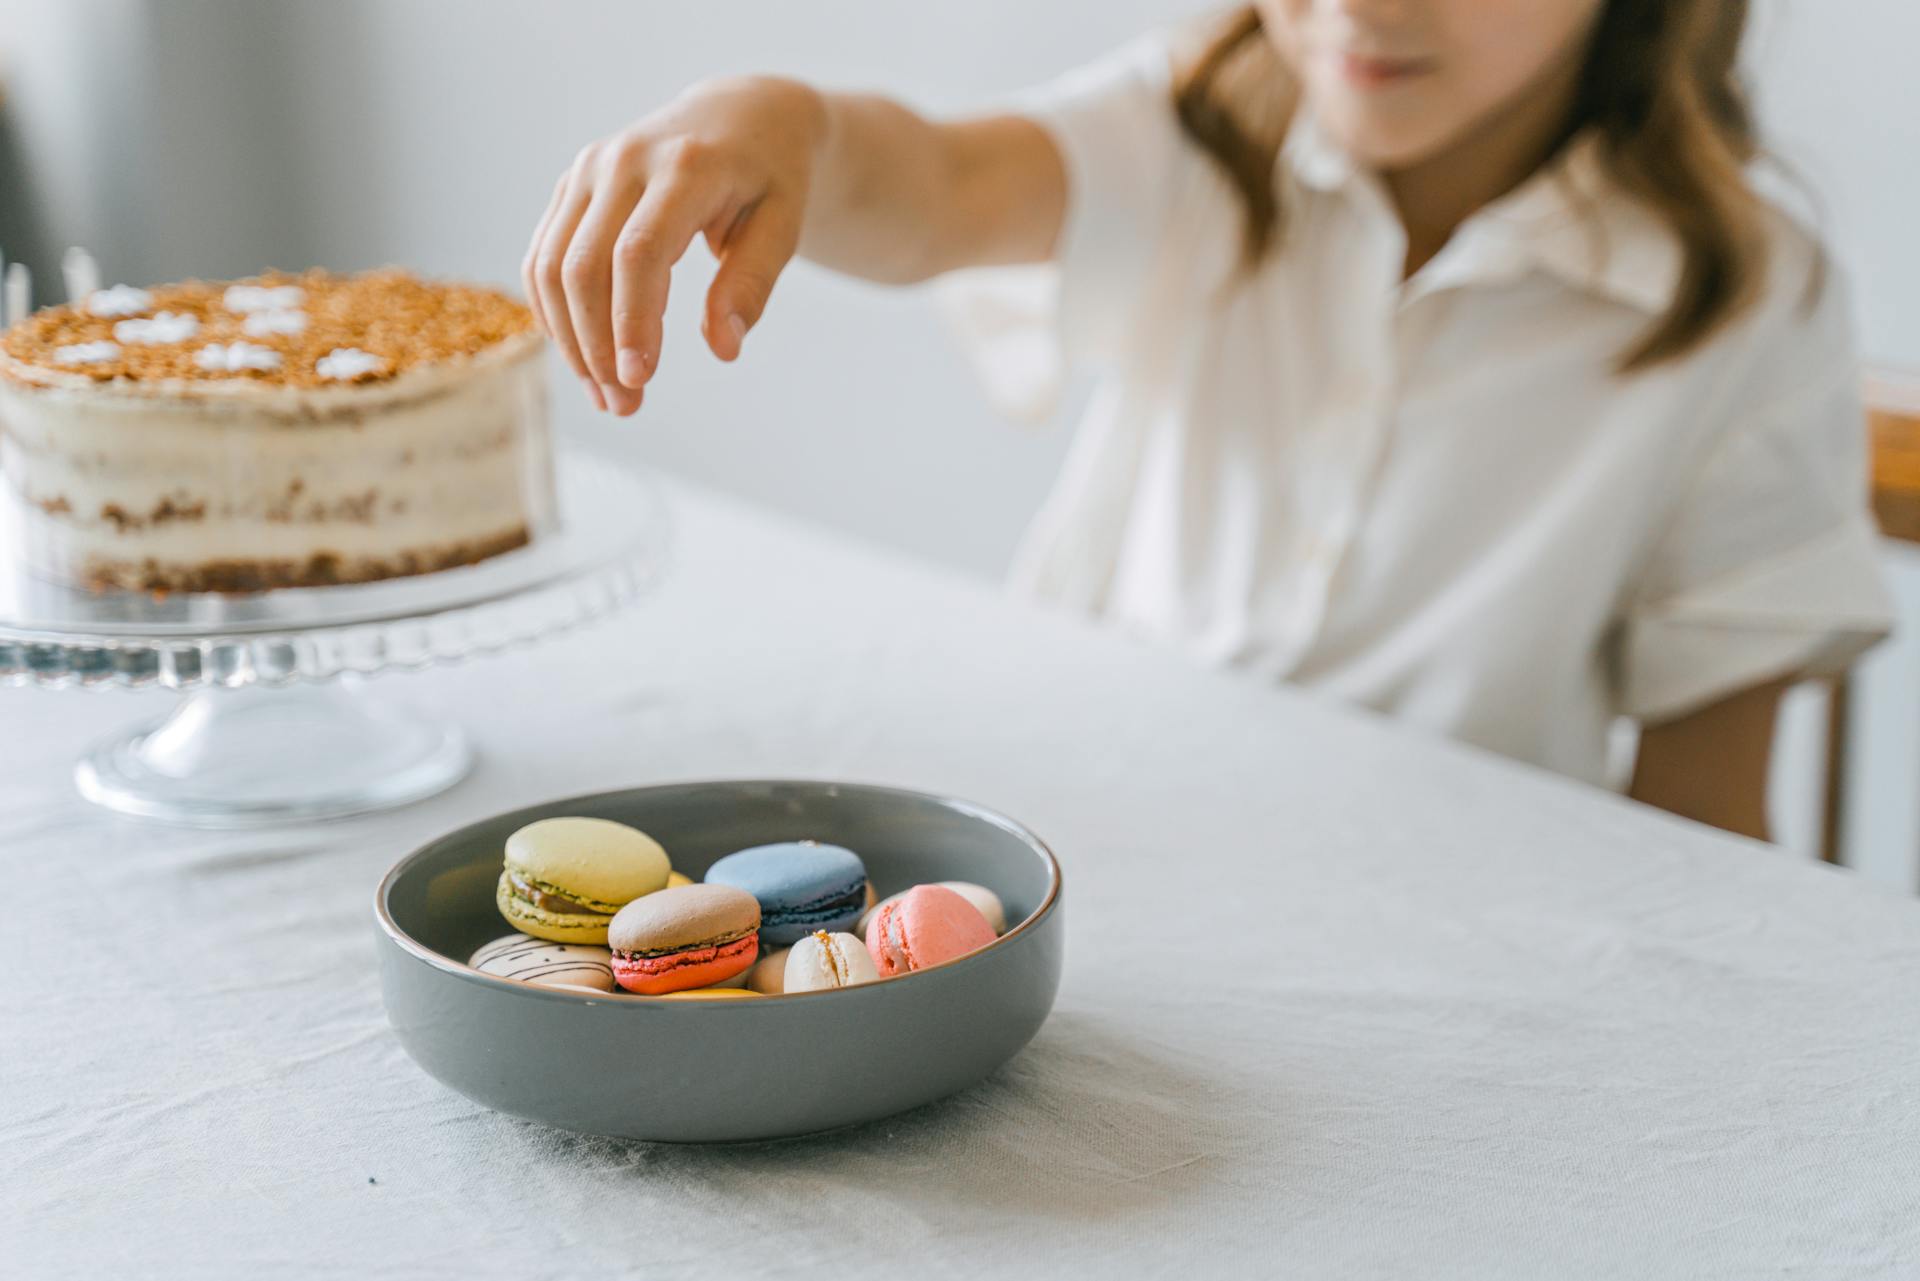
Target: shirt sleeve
{"points": [[1770, 565], [1119, 140]]}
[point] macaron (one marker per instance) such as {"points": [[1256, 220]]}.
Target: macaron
{"points": [[802, 886], [821, 962], [979, 895], [984, 900], [769, 974], [927, 926], [678, 878], [566, 877], [578, 966], [686, 937], [738, 980]]}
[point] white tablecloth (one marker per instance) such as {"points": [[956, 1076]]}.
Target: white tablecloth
{"points": [[1339, 1001]]}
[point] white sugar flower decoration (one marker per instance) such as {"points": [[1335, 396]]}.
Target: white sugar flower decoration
{"points": [[347, 363], [264, 324], [237, 357], [121, 300], [168, 326], [86, 353], [250, 298]]}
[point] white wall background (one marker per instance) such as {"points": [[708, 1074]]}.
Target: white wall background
{"points": [[350, 133], [1840, 103], [210, 137]]}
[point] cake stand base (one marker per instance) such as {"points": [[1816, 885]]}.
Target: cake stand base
{"points": [[260, 756]]}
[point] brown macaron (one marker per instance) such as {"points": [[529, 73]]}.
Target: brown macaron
{"points": [[689, 936]]}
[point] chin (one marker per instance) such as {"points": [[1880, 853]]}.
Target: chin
{"points": [[1380, 143]]}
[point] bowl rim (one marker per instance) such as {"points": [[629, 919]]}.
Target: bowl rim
{"points": [[461, 970]]}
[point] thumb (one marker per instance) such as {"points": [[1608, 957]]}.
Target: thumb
{"points": [[751, 261]]}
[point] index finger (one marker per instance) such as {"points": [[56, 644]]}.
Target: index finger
{"points": [[670, 214]]}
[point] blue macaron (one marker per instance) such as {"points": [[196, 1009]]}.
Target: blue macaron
{"points": [[802, 886]]}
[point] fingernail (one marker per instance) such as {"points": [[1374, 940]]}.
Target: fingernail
{"points": [[633, 366], [593, 394], [739, 328]]}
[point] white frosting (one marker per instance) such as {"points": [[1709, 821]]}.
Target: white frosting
{"points": [[236, 357], [251, 298], [167, 327], [262, 324], [346, 363], [121, 300], [86, 353]]}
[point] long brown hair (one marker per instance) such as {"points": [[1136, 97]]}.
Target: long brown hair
{"points": [[1659, 90]]}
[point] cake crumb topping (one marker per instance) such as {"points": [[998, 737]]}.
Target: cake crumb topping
{"points": [[391, 321]]}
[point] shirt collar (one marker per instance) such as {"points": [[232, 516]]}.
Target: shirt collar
{"points": [[1569, 220], [1315, 159]]}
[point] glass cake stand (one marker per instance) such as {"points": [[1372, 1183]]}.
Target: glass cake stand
{"points": [[278, 722]]}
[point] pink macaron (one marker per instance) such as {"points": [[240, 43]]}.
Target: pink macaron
{"points": [[926, 926]]}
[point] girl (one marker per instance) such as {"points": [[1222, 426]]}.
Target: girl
{"points": [[1454, 366]]}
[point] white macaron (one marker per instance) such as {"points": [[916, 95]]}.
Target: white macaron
{"points": [[822, 961]]}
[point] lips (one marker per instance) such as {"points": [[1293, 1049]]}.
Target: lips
{"points": [[1374, 71]]}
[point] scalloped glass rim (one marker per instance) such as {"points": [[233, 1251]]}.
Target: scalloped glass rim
{"points": [[611, 547]]}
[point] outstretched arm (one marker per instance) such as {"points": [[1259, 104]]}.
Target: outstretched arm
{"points": [[765, 168]]}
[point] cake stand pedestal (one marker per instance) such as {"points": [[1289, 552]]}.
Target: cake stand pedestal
{"points": [[279, 722], [260, 755]]}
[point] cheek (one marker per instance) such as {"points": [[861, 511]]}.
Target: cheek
{"points": [[1499, 47]]}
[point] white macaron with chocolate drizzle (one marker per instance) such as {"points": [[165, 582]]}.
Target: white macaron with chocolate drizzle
{"points": [[579, 967]]}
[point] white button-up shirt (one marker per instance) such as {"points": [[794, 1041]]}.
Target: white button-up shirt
{"points": [[1435, 497]]}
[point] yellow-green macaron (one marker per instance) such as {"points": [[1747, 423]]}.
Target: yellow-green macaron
{"points": [[566, 877]]}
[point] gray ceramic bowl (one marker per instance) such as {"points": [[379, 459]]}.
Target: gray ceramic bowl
{"points": [[707, 1071]]}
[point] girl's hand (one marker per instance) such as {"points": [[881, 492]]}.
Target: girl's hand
{"points": [[730, 159]]}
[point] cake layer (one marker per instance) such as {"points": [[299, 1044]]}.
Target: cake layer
{"points": [[237, 486], [319, 569]]}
